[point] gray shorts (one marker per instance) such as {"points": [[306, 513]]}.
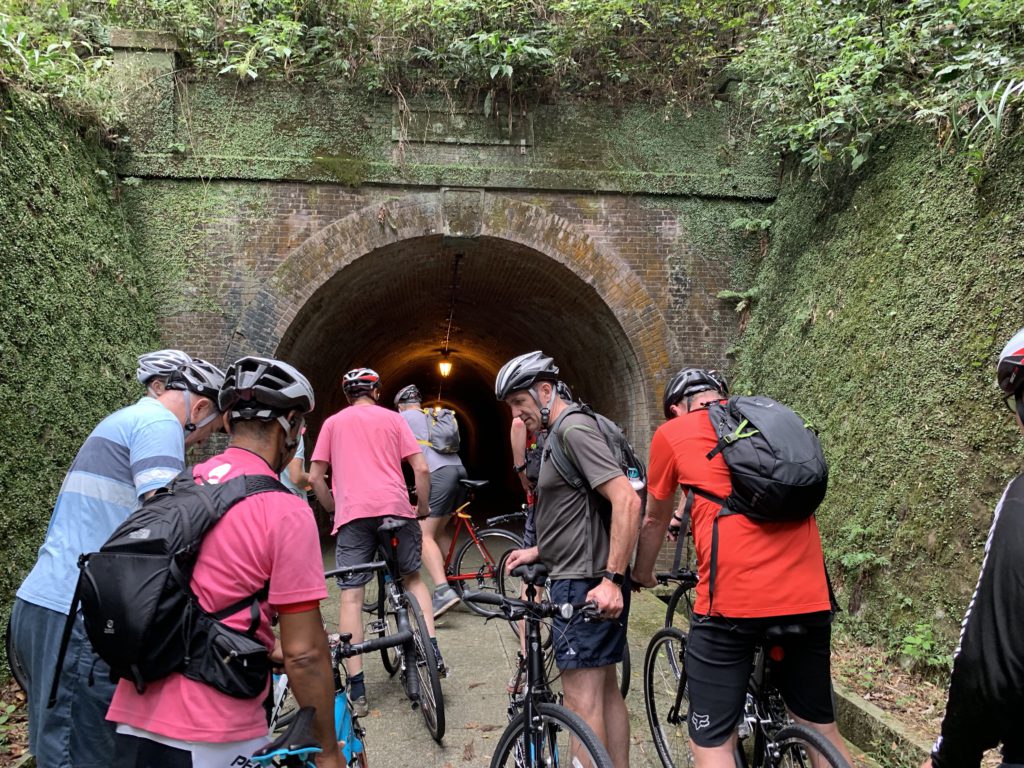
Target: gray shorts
{"points": [[445, 490], [76, 731], [359, 542]]}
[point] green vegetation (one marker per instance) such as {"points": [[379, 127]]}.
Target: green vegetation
{"points": [[77, 310], [881, 305], [823, 80]]}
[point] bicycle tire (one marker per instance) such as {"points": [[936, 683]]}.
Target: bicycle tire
{"points": [[662, 683], [431, 697], [793, 741], [18, 670], [623, 670], [481, 565], [388, 624], [681, 600], [578, 742]]}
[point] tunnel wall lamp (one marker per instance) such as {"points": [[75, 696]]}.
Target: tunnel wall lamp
{"points": [[445, 366]]}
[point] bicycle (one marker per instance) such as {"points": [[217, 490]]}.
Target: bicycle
{"points": [[767, 738], [680, 602], [397, 610], [540, 732], [284, 711]]}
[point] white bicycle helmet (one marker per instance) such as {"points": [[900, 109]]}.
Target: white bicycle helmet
{"points": [[408, 394], [262, 388], [359, 382], [522, 372], [160, 364], [201, 378], [1010, 369]]}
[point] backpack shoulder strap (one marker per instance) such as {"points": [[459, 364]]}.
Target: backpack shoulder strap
{"points": [[255, 484], [560, 453]]}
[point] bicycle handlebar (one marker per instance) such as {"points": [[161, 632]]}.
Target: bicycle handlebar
{"points": [[685, 577], [516, 609], [350, 570], [509, 518], [376, 643]]}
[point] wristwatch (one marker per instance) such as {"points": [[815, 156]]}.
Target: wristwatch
{"points": [[519, 467], [615, 578]]}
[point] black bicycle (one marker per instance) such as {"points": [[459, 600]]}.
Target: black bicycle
{"points": [[767, 736], [679, 605], [395, 610], [541, 732]]}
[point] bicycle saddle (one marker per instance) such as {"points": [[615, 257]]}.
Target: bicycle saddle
{"points": [[473, 483], [785, 630], [297, 740], [392, 524], [532, 573]]}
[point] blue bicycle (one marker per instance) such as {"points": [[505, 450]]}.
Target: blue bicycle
{"points": [[296, 747]]}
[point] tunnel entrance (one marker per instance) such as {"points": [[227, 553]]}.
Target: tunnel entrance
{"points": [[393, 308]]}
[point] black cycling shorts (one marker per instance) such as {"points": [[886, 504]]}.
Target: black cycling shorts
{"points": [[359, 541], [720, 658]]}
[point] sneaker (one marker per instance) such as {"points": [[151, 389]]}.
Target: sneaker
{"points": [[444, 599], [360, 708]]}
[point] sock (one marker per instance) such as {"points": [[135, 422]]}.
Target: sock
{"points": [[356, 686], [441, 589]]}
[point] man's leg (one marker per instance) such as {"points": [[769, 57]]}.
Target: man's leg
{"points": [[415, 586], [357, 543], [351, 620], [594, 695], [433, 557]]}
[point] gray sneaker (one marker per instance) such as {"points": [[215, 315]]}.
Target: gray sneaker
{"points": [[360, 708], [444, 599]]}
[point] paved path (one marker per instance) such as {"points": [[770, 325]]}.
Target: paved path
{"points": [[480, 656]]}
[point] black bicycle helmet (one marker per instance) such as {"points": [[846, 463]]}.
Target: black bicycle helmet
{"points": [[359, 382], [523, 371], [1010, 370], [160, 364], [263, 389], [689, 382], [198, 376], [408, 394]]}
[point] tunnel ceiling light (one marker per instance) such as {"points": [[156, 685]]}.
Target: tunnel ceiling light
{"points": [[445, 366]]}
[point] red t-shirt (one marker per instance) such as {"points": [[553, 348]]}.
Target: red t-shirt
{"points": [[763, 569], [270, 536]]}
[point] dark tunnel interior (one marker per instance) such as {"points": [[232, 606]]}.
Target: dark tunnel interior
{"points": [[393, 309]]}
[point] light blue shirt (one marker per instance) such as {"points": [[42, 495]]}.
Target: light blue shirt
{"points": [[131, 452], [300, 453]]}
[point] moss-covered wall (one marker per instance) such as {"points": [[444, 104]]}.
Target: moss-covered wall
{"points": [[884, 300], [76, 312]]}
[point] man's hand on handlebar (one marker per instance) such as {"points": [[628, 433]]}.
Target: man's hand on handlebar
{"points": [[608, 599], [521, 557]]}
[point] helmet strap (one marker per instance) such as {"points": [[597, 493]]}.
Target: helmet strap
{"points": [[545, 410], [189, 426]]}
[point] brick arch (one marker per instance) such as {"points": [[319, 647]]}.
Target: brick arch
{"points": [[454, 219]]}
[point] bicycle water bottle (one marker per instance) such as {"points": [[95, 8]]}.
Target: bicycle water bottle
{"points": [[633, 475]]}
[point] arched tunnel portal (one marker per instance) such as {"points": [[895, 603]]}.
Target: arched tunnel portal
{"points": [[330, 309]]}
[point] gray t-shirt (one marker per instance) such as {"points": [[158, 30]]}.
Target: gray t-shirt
{"points": [[417, 421], [573, 541]]}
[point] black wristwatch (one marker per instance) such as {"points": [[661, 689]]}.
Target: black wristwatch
{"points": [[617, 579], [519, 467]]}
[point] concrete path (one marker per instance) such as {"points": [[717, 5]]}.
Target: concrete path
{"points": [[480, 656]]}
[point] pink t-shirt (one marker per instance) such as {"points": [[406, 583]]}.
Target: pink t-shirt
{"points": [[365, 445], [270, 536]]}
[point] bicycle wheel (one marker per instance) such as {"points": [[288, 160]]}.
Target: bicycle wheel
{"points": [[373, 590], [663, 685], [477, 564], [387, 624], [561, 739], [508, 585], [795, 743], [678, 612], [17, 668], [623, 670], [431, 698]]}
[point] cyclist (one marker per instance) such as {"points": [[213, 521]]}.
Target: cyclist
{"points": [[365, 445], [445, 472], [266, 539], [765, 576], [585, 560], [126, 458], [294, 476], [986, 690], [155, 367]]}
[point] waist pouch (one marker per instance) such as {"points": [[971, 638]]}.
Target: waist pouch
{"points": [[233, 662]]}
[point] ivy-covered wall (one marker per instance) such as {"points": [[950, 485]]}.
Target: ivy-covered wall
{"points": [[880, 308], [76, 312]]}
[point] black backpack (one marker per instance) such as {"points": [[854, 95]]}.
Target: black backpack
{"points": [[138, 607], [776, 465], [560, 454]]}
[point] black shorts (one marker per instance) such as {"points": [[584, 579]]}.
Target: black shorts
{"points": [[581, 644], [445, 490], [359, 542], [720, 658]]}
